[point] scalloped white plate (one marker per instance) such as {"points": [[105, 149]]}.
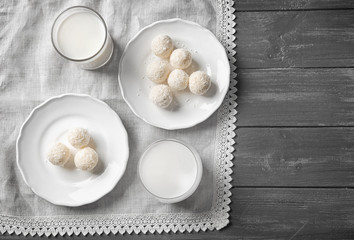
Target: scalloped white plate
{"points": [[187, 109], [48, 123]]}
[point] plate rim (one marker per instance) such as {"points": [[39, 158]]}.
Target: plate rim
{"points": [[20, 135], [166, 126]]}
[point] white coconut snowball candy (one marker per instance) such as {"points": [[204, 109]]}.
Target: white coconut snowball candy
{"points": [[178, 80], [158, 70], [59, 154], [180, 58], [199, 82], [79, 137], [162, 46], [86, 159], [161, 95]]}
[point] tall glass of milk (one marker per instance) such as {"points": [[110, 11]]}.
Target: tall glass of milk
{"points": [[79, 34], [170, 170]]}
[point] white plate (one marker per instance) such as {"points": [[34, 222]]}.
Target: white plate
{"points": [[187, 109], [49, 123]]}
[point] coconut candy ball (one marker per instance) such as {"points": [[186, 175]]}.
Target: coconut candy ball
{"points": [[158, 70], [59, 154], [178, 80], [86, 159], [180, 58], [161, 95], [162, 46], [79, 137], [199, 82]]}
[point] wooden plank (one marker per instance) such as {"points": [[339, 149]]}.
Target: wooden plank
{"points": [[296, 157], [296, 97], [293, 213], [295, 39], [271, 5], [275, 214]]}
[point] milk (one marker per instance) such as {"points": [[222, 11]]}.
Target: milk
{"points": [[80, 35], [169, 169]]}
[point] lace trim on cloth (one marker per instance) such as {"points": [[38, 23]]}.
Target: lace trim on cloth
{"points": [[216, 218]]}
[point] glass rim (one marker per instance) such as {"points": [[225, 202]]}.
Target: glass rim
{"points": [[197, 179], [94, 12]]}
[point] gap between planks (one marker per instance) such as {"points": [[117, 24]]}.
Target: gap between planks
{"points": [[295, 187], [290, 68], [336, 126], [296, 10]]}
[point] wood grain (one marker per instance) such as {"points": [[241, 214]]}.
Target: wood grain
{"points": [[293, 213], [295, 39], [295, 157], [296, 97], [271, 5], [270, 213]]}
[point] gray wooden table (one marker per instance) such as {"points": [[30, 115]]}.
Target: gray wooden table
{"points": [[294, 163]]}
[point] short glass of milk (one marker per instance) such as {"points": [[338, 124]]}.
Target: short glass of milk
{"points": [[79, 34], [170, 170]]}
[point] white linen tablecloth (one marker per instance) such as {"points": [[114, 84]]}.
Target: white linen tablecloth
{"points": [[31, 72]]}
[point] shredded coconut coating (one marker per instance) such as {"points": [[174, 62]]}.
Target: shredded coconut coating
{"points": [[162, 46], [86, 159], [180, 58], [59, 154], [158, 70], [178, 80], [79, 137], [161, 95], [199, 82]]}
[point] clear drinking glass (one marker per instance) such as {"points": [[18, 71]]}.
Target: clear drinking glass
{"points": [[79, 34], [192, 183]]}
